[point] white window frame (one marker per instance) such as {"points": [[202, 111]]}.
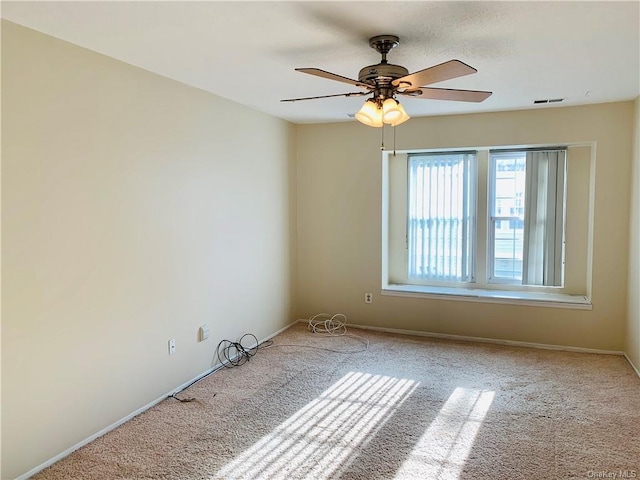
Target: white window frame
{"points": [[482, 290], [491, 225], [554, 225]]}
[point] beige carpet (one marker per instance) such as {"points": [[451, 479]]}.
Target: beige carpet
{"points": [[406, 408]]}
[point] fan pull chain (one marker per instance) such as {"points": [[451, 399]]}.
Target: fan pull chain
{"points": [[394, 140], [382, 140]]}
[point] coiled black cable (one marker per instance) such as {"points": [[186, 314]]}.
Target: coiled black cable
{"points": [[230, 354], [233, 354]]}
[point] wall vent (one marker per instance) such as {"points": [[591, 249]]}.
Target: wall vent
{"points": [[548, 100]]}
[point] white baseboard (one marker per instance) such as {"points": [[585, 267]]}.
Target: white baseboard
{"points": [[632, 364], [90, 439], [137, 412], [514, 343], [179, 388], [286, 327], [495, 341]]}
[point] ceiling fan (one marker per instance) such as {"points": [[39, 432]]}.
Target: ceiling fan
{"points": [[384, 81]]}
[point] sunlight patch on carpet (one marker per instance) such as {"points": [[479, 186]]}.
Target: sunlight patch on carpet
{"points": [[443, 449], [317, 440]]}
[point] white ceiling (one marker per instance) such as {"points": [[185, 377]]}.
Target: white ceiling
{"points": [[585, 52]]}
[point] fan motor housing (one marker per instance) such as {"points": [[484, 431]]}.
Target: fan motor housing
{"points": [[381, 73]]}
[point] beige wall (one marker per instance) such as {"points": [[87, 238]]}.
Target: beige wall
{"points": [[633, 326], [131, 212], [339, 224], [134, 209]]}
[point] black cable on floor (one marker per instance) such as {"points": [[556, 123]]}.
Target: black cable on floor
{"points": [[230, 354], [233, 354]]}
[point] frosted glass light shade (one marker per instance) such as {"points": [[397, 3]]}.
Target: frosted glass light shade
{"points": [[391, 112], [370, 114], [403, 117]]}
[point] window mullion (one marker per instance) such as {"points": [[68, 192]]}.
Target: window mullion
{"points": [[481, 217]]}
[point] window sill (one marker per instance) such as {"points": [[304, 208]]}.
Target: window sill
{"points": [[532, 299]]}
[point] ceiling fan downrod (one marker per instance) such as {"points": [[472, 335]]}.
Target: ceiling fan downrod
{"points": [[384, 44]]}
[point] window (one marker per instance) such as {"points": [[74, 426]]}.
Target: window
{"points": [[441, 213], [485, 220], [526, 247]]}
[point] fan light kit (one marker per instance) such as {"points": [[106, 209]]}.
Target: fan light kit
{"points": [[384, 81], [375, 113]]}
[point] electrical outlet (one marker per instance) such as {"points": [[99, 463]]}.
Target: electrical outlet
{"points": [[203, 333], [172, 346], [368, 298]]}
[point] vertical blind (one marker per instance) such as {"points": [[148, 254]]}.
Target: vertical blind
{"points": [[441, 208], [544, 218]]}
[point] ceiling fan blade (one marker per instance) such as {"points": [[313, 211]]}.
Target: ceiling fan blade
{"points": [[352, 94], [332, 76], [437, 73], [448, 94]]}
